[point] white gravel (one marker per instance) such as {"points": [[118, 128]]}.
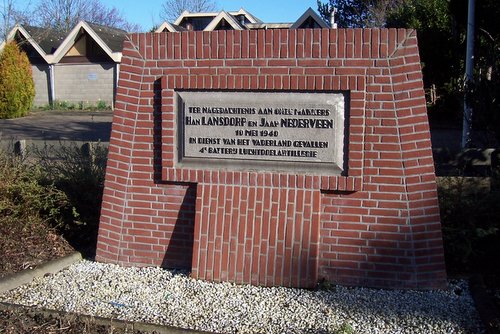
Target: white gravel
{"points": [[165, 297]]}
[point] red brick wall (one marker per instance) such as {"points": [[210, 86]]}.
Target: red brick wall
{"points": [[378, 225]]}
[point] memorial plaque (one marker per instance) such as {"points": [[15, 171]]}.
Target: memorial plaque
{"points": [[256, 129]]}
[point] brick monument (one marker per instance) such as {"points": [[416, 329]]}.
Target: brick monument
{"points": [[274, 157]]}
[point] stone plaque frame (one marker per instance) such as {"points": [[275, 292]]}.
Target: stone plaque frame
{"points": [[293, 131]]}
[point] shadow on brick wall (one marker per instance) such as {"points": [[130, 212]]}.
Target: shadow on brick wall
{"points": [[179, 251], [157, 139]]}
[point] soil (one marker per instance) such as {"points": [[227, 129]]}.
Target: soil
{"points": [[21, 320], [24, 246]]}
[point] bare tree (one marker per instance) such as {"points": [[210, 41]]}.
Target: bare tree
{"points": [[100, 14], [171, 9], [63, 15], [381, 9], [10, 15]]}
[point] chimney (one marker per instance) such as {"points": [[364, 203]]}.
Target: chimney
{"points": [[242, 20], [332, 18]]}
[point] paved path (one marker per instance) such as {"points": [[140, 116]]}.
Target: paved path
{"points": [[58, 126]]}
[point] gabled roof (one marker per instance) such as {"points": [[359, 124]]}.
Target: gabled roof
{"points": [[309, 14], [224, 16], [112, 37], [186, 14], [198, 20], [239, 20], [211, 20], [109, 39], [48, 39], [53, 46], [44, 41], [169, 27], [247, 14], [269, 25]]}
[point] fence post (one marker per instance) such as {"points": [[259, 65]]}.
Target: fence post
{"points": [[20, 148], [87, 150]]}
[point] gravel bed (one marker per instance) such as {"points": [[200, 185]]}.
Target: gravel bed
{"points": [[165, 297]]}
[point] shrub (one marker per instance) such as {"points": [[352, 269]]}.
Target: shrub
{"points": [[471, 228], [24, 196], [79, 173], [30, 213], [55, 187], [17, 89]]}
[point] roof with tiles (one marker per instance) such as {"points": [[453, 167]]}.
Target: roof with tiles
{"points": [[52, 45]]}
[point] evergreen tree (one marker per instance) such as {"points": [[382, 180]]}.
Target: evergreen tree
{"points": [[358, 13], [439, 46], [17, 89]]}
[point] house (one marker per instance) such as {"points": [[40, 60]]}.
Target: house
{"points": [[79, 67], [83, 65], [239, 20]]}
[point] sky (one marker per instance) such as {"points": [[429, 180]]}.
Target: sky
{"points": [[145, 12]]}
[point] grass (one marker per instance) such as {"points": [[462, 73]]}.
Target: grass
{"points": [[72, 106]]}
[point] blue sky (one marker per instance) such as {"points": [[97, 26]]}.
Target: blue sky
{"points": [[145, 12]]}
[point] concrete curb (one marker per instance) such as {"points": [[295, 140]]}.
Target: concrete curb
{"points": [[26, 276], [112, 323]]}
